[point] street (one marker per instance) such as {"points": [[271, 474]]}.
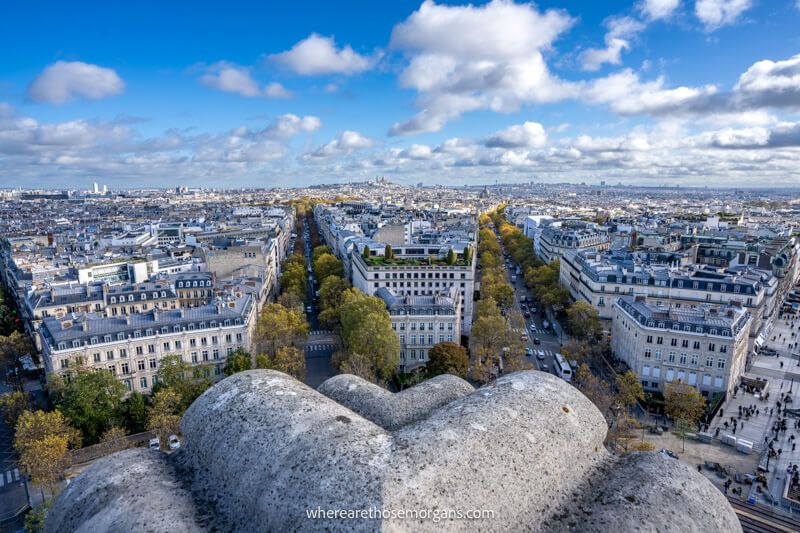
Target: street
{"points": [[549, 341], [13, 497], [320, 345]]}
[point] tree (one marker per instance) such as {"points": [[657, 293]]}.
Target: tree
{"points": [[12, 346], [163, 417], [365, 254], [320, 250], [238, 361], [388, 254], [287, 359], [367, 331], [114, 440], [468, 255], [34, 519], [134, 412], [13, 404], [42, 441], [279, 327], [629, 390], [593, 388], [447, 358], [584, 321], [91, 401], [184, 379], [684, 404], [451, 257], [489, 260], [328, 265], [330, 292], [356, 364]]}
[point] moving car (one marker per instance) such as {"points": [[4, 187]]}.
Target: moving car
{"points": [[537, 341], [540, 355], [533, 327], [529, 352]]}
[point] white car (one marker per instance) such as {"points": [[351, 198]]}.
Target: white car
{"points": [[174, 443], [154, 444], [533, 327]]}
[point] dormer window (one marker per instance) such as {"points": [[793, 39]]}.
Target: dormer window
{"points": [[180, 284], [62, 345], [107, 338], [120, 336], [144, 296], [176, 329], [76, 343], [155, 295], [130, 297], [137, 334], [113, 299], [94, 340], [163, 294], [149, 332], [713, 331], [164, 329]]}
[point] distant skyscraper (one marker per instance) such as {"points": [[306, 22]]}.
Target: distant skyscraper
{"points": [[96, 189], [602, 183]]}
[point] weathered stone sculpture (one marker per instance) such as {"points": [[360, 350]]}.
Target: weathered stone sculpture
{"points": [[261, 451]]}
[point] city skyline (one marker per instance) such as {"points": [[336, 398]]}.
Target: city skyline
{"points": [[647, 92]]}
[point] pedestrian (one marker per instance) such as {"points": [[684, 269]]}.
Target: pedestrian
{"points": [[794, 444], [780, 450]]}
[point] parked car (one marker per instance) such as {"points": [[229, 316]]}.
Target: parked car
{"points": [[668, 453], [533, 309], [523, 337], [529, 352], [154, 444], [174, 443]]}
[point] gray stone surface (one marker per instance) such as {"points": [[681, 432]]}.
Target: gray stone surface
{"points": [[132, 490], [260, 449], [393, 411]]}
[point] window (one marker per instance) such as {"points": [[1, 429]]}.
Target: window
{"points": [[659, 340], [671, 358], [720, 363], [683, 358], [166, 346], [110, 355], [143, 383], [696, 345], [151, 348], [65, 363], [152, 363], [709, 361], [97, 358], [125, 368], [694, 359], [140, 364], [658, 355], [650, 339], [673, 342], [711, 346], [684, 343], [723, 348], [123, 352], [139, 350], [205, 355], [194, 357], [647, 353], [178, 345]]}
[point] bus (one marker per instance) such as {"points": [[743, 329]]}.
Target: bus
{"points": [[562, 368]]}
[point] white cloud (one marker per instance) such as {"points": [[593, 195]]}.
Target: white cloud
{"points": [[68, 80], [228, 77], [289, 125], [464, 58], [717, 13], [658, 9], [317, 55], [347, 142], [626, 94], [527, 135], [620, 32], [771, 83]]}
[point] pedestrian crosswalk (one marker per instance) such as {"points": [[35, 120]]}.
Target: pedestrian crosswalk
{"points": [[321, 332], [317, 347], [9, 476]]}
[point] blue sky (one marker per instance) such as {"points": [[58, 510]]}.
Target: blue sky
{"points": [[244, 94]]}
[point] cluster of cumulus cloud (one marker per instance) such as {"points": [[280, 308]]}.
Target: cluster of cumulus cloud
{"points": [[497, 63]]}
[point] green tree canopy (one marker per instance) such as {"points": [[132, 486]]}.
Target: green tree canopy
{"points": [[238, 361], [447, 358], [328, 265], [683, 402], [584, 320], [279, 327], [134, 412], [320, 250], [91, 401], [42, 441], [367, 331], [13, 404]]}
